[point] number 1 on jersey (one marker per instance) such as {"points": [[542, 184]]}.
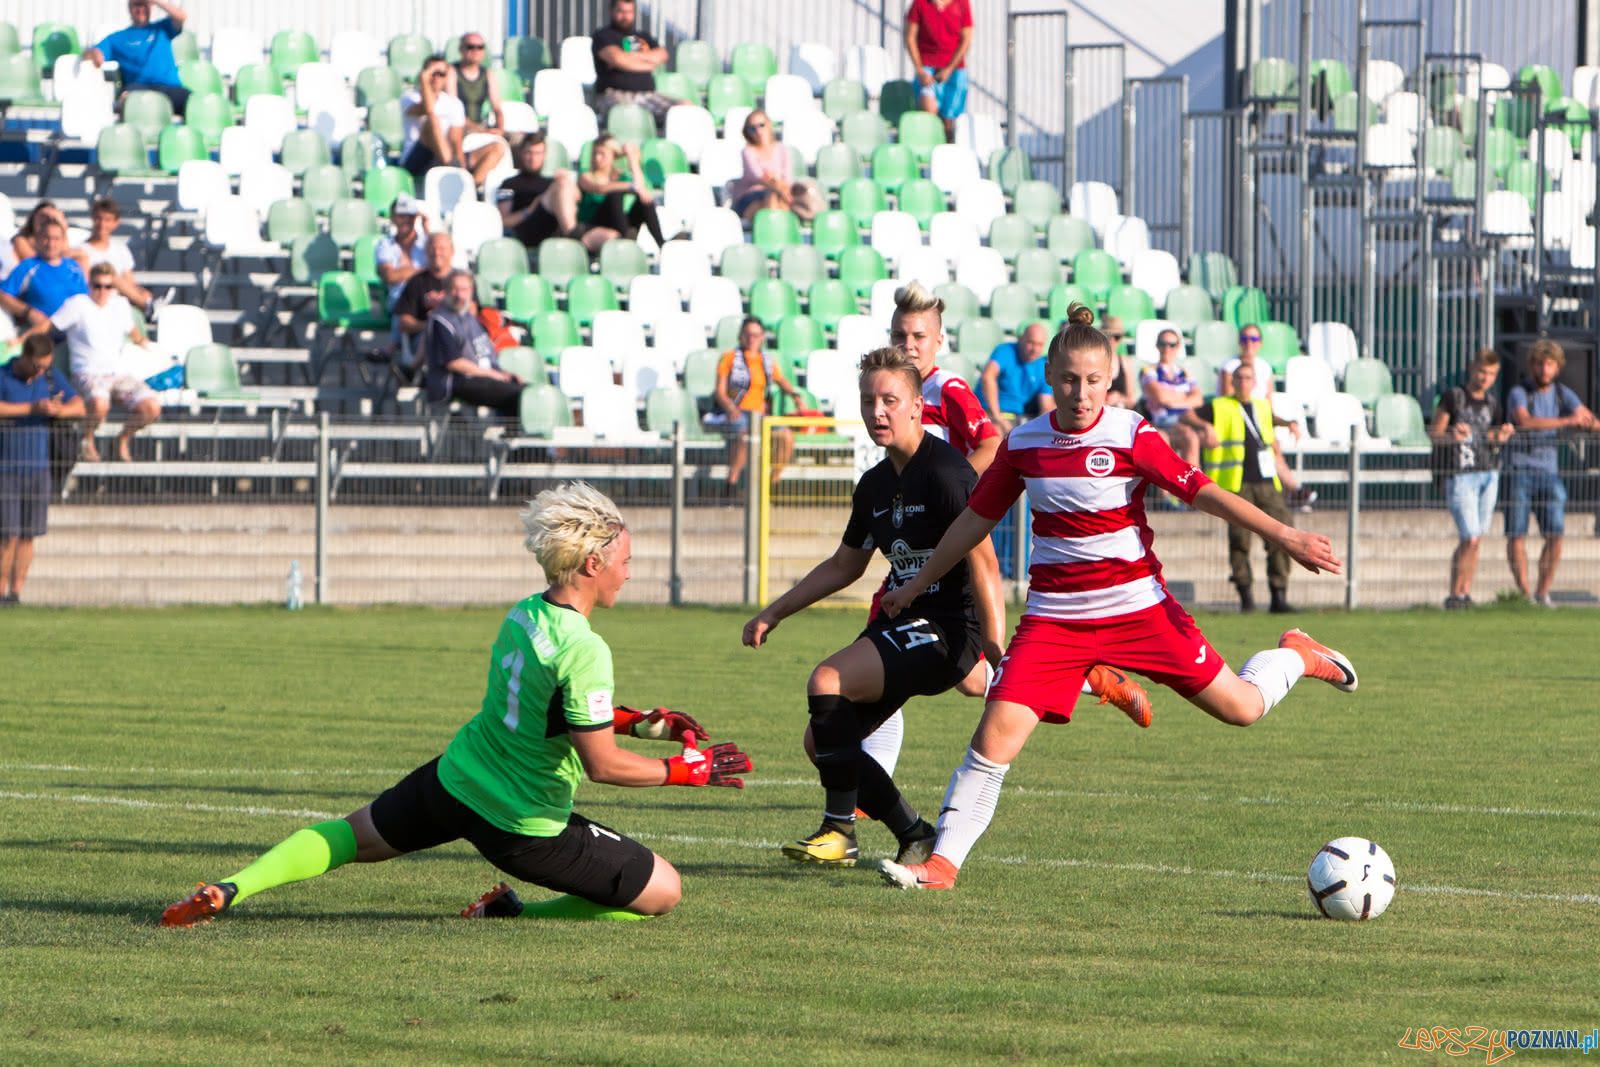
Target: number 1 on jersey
{"points": [[512, 662]]}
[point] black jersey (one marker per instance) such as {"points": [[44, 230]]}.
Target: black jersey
{"points": [[904, 515]]}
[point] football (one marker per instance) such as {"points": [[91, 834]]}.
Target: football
{"points": [[1351, 878]]}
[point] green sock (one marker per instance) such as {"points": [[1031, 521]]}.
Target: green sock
{"points": [[571, 907], [303, 854]]}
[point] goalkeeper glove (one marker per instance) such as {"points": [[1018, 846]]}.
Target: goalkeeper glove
{"points": [[717, 765], [657, 724]]}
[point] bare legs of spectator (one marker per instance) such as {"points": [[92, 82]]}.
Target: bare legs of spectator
{"points": [[595, 236], [930, 104], [561, 200], [16, 556], [738, 453], [782, 450], [1549, 559], [143, 414], [1464, 567], [480, 161]]}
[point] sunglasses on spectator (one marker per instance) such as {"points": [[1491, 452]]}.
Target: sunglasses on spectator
{"points": [[1250, 338], [472, 46], [1166, 344]]}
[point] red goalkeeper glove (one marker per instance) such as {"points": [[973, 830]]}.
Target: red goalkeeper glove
{"points": [[658, 724], [717, 765]]}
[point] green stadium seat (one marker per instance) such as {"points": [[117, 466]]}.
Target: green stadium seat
{"points": [[1330, 79], [836, 164], [1039, 270], [666, 406], [1011, 305], [830, 300], [1347, 112], [542, 408], [864, 131], [185, 46], [211, 371], [1038, 202], [1188, 306], [321, 186], [148, 112], [860, 267], [621, 261], [343, 300], [122, 150], [291, 219], [502, 258], [1216, 340], [1443, 147], [1214, 272], [302, 150], [10, 40], [772, 300], [802, 266], [527, 56], [528, 295], [254, 79], [1130, 304], [921, 131], [834, 231], [551, 332], [799, 336], [1009, 168], [587, 296], [676, 86], [895, 99], [1545, 77], [1398, 417], [52, 40], [1522, 176], [350, 220], [19, 81], [406, 53], [774, 229], [178, 145], [658, 158], [1279, 342], [754, 62], [727, 91], [1060, 299], [1242, 304], [743, 264], [1097, 271], [960, 304], [860, 199], [311, 255], [922, 200], [726, 336], [1010, 235], [892, 166], [1499, 150], [290, 50], [1067, 235], [1272, 78], [380, 186], [977, 338], [700, 373], [630, 124], [842, 97], [1367, 380], [200, 76], [357, 152], [377, 84], [364, 261], [698, 61]]}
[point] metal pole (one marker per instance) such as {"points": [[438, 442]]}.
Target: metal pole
{"points": [[1069, 129], [1248, 207], [699, 20], [1129, 118], [1427, 314], [675, 581], [323, 480], [1353, 521], [1011, 79], [1186, 191], [883, 24], [1303, 165], [755, 476]]}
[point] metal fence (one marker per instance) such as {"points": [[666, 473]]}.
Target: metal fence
{"points": [[365, 517]]}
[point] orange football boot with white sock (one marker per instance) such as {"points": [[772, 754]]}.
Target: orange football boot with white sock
{"points": [[1321, 661]]}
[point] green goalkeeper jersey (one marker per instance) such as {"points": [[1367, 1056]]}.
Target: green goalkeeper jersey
{"points": [[514, 764]]}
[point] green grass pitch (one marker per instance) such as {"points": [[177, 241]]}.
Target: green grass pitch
{"points": [[1139, 898]]}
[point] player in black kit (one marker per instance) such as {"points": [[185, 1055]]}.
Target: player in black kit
{"points": [[901, 508]]}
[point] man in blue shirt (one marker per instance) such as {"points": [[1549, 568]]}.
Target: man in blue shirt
{"points": [[143, 51], [40, 284], [31, 394], [1538, 409], [1012, 385]]}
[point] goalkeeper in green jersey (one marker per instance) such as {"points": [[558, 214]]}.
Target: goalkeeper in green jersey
{"points": [[505, 782]]}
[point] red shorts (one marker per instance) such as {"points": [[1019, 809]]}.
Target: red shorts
{"points": [[1046, 661]]}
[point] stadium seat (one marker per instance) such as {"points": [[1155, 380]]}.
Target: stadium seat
{"points": [[774, 229], [179, 145], [684, 263], [817, 63], [1216, 340], [1126, 236], [561, 259], [691, 128], [786, 95], [572, 128], [622, 260], [1059, 301], [982, 270], [668, 405], [148, 112], [577, 58], [700, 372], [349, 220], [1130, 304], [1278, 343], [834, 231], [556, 90], [1010, 167], [843, 97], [343, 301], [211, 371], [798, 335], [353, 51], [952, 166], [474, 224], [1010, 235], [1244, 304], [726, 334], [676, 86], [200, 76], [857, 334], [1067, 235], [743, 264], [922, 264], [51, 40], [542, 408], [200, 181], [443, 188], [121, 150], [614, 333], [1339, 418], [551, 333], [1307, 380], [981, 202], [960, 304], [715, 229], [895, 99], [677, 335], [630, 124], [806, 133], [772, 300], [727, 91], [1367, 380], [1214, 272], [892, 166], [255, 79], [922, 200], [802, 265], [1398, 417], [303, 149], [1011, 305], [698, 60], [754, 62], [836, 164], [527, 295], [1097, 271], [977, 338], [893, 233], [1038, 202], [1145, 336], [380, 186], [713, 299], [829, 300], [290, 219], [952, 236], [289, 50], [860, 199], [1188, 306], [1095, 203], [233, 48], [208, 115], [860, 267], [864, 131], [1039, 270], [921, 131]]}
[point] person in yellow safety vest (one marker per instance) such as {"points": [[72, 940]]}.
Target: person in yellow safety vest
{"points": [[1242, 456]]}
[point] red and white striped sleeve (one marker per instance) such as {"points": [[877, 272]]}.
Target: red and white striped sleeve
{"points": [[998, 487], [1154, 460]]}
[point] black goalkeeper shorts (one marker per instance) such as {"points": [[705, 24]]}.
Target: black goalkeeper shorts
{"points": [[586, 859]]}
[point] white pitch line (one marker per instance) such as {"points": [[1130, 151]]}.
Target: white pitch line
{"points": [[1402, 806], [767, 846]]}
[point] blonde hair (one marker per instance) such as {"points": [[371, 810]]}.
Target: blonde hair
{"points": [[1544, 349], [568, 524], [895, 360], [1078, 333], [913, 298]]}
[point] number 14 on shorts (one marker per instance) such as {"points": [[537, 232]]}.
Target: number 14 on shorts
{"points": [[914, 634]]}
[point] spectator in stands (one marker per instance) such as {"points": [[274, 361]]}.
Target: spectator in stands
{"points": [[533, 206], [476, 89], [767, 181], [461, 356], [435, 123], [97, 327], [1539, 408], [32, 393], [603, 192], [1468, 431], [1241, 456], [1123, 392], [1168, 393], [742, 380], [40, 284], [1012, 385], [938, 35], [143, 53], [1299, 498], [625, 59], [24, 243], [403, 253], [102, 247], [422, 294]]}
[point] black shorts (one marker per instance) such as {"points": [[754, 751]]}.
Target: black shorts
{"points": [[922, 656], [176, 93], [24, 502], [537, 227], [586, 859], [420, 159]]}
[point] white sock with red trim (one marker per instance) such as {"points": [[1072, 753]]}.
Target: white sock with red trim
{"points": [[1273, 672], [969, 803], [883, 744]]}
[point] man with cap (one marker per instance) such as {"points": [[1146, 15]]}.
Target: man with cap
{"points": [[404, 252]]}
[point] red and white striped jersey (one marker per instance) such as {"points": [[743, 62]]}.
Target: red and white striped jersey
{"points": [[951, 411], [1091, 542]]}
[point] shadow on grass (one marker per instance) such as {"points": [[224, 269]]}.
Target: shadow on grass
{"points": [[148, 846], [148, 913], [225, 790], [1261, 913]]}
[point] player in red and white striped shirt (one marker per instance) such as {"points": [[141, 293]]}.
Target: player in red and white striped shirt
{"points": [[1095, 587]]}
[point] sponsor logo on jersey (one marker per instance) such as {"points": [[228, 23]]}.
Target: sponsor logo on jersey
{"points": [[899, 513], [599, 704], [905, 562], [1100, 462], [1188, 476]]}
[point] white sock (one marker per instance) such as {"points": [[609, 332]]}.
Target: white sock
{"points": [[1273, 672], [968, 806], [988, 676], [1087, 688], [883, 744]]}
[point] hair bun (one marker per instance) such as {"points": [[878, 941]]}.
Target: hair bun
{"points": [[1080, 315]]}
